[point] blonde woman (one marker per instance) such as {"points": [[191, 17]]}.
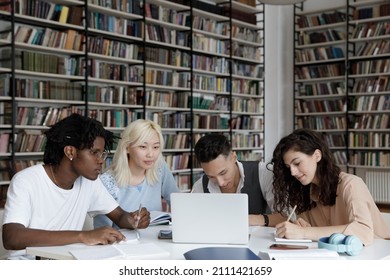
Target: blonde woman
{"points": [[138, 174]]}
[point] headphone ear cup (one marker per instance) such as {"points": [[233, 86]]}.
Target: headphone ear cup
{"points": [[336, 238], [353, 244], [348, 244]]}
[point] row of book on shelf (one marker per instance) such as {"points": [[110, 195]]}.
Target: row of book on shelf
{"points": [[320, 106], [324, 88], [372, 84], [304, 21], [47, 37], [48, 11], [371, 103], [322, 122], [59, 90], [337, 16], [369, 139], [371, 66], [329, 35], [373, 48], [371, 121], [320, 71], [30, 140], [371, 29], [363, 121], [335, 139], [374, 158], [45, 116], [166, 14], [317, 54], [380, 10], [72, 39]]}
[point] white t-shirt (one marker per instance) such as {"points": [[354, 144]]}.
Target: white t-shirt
{"points": [[34, 201]]}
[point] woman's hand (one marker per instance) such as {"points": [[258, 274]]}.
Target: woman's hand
{"points": [[301, 222], [290, 231]]}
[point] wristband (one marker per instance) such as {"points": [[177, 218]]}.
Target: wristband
{"points": [[266, 220]]}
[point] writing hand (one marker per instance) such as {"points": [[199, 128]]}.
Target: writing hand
{"points": [[301, 222], [140, 219], [289, 230]]}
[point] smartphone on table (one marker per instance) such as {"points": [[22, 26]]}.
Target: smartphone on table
{"points": [[165, 234]]}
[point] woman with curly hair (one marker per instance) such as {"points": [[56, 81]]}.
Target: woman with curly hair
{"points": [[328, 200]]}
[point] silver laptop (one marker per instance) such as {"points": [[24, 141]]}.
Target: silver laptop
{"points": [[210, 218]]}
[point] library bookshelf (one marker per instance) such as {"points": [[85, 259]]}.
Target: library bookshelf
{"points": [[194, 67], [342, 88]]}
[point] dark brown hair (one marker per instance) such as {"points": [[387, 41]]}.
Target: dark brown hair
{"points": [[288, 191]]}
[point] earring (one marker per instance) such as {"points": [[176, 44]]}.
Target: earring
{"points": [[71, 159]]}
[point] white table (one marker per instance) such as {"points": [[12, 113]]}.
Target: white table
{"points": [[260, 239]]}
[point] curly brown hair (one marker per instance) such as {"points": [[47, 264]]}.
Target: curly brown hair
{"points": [[288, 191]]}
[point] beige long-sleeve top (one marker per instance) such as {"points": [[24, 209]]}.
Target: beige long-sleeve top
{"points": [[354, 208]]}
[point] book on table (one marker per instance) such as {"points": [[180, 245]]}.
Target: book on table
{"points": [[298, 254], [288, 240], [119, 251], [159, 217]]}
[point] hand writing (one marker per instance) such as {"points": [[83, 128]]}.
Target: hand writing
{"points": [[289, 230], [140, 219], [301, 222]]}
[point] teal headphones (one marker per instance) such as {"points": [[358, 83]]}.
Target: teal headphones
{"points": [[349, 244]]}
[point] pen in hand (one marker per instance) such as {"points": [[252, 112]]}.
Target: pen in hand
{"points": [[137, 221], [292, 213], [138, 216]]}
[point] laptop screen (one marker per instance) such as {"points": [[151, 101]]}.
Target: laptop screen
{"points": [[210, 218]]}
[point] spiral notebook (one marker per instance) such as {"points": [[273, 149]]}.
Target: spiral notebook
{"points": [[209, 218]]}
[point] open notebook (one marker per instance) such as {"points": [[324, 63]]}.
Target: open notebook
{"points": [[158, 218], [129, 249], [209, 218], [134, 251]]}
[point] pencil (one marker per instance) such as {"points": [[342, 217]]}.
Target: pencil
{"points": [[138, 217], [292, 213]]}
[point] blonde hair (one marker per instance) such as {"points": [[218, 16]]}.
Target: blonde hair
{"points": [[134, 135]]}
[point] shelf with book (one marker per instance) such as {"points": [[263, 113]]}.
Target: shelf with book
{"points": [[167, 56], [41, 52], [6, 132], [363, 88], [194, 67], [369, 90], [320, 80], [247, 78]]}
